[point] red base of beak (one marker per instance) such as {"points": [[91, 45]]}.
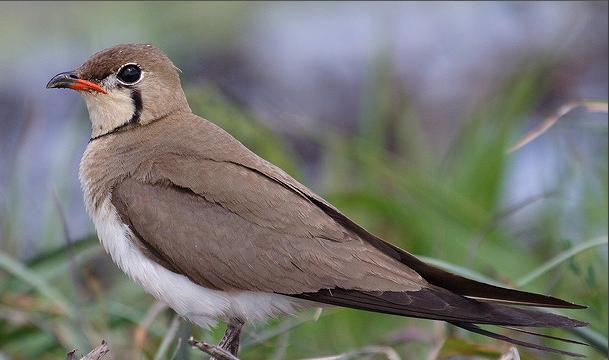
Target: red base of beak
{"points": [[82, 85]]}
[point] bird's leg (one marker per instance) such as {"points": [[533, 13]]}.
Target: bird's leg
{"points": [[230, 341]]}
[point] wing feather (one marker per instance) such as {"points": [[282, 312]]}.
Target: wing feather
{"points": [[230, 245]]}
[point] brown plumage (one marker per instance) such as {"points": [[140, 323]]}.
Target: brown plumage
{"points": [[197, 202]]}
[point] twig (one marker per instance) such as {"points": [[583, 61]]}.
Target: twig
{"points": [[212, 350], [591, 106], [71, 355], [95, 354]]}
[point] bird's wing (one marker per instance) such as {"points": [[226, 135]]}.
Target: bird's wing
{"points": [[229, 228]]}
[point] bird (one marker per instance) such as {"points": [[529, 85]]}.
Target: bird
{"points": [[217, 233]]}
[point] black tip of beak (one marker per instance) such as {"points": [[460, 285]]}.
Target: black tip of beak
{"points": [[62, 80]]}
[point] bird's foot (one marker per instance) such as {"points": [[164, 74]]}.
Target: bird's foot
{"points": [[232, 335]]}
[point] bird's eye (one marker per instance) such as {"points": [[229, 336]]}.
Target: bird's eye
{"points": [[129, 74]]}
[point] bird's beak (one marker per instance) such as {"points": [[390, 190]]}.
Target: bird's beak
{"points": [[71, 81]]}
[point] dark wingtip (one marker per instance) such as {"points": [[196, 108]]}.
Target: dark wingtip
{"points": [[571, 341], [478, 330], [579, 323], [569, 305], [559, 303], [558, 320]]}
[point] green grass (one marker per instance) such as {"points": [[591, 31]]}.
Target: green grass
{"points": [[387, 177]]}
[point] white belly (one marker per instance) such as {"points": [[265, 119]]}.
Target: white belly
{"points": [[200, 305]]}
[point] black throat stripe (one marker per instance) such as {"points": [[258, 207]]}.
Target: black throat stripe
{"points": [[136, 98]]}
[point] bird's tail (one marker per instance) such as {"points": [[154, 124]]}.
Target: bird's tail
{"points": [[440, 304]]}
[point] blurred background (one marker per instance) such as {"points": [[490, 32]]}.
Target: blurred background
{"points": [[400, 114]]}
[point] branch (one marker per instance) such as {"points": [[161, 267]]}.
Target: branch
{"points": [[591, 106], [95, 354], [215, 351]]}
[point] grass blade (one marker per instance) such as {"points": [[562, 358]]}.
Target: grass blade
{"points": [[557, 260], [595, 339], [18, 270], [168, 338]]}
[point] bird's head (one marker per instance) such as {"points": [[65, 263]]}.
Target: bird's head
{"points": [[125, 85]]}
